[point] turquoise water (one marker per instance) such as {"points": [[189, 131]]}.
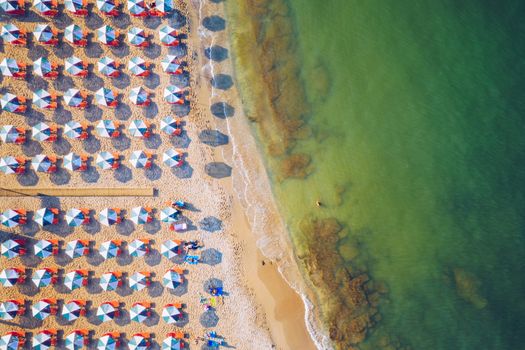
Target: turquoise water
{"points": [[418, 147]]}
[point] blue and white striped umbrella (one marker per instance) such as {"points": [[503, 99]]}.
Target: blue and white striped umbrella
{"points": [[169, 125], [164, 6], [73, 129], [137, 7], [11, 6], [109, 249], [140, 215], [138, 281], [76, 248], [106, 160], [170, 64], [170, 314], [72, 162], [73, 97], [10, 32], [108, 216], [172, 158], [106, 312], [138, 342], [171, 248], [107, 66], [42, 99], [73, 33], [43, 6], [171, 343], [41, 309], [107, 342], [172, 279], [73, 5], [75, 217], [138, 96], [75, 340], [9, 67], [43, 33], [10, 165], [9, 277], [138, 248], [74, 279], [106, 128], [106, 5], [41, 132], [136, 36], [105, 97], [74, 65], [42, 341], [169, 215], [10, 102], [9, 310], [72, 310], [12, 248], [12, 218], [173, 95], [139, 313], [106, 34], [9, 134], [43, 248], [46, 216], [42, 277], [42, 163], [138, 128], [168, 35], [139, 159], [137, 66], [42, 66]]}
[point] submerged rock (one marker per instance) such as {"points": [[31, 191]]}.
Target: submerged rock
{"points": [[467, 287], [296, 166]]}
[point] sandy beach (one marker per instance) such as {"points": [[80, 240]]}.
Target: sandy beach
{"points": [[260, 311]]}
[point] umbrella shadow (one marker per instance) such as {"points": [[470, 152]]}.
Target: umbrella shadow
{"points": [[121, 143], [93, 113], [62, 259], [218, 170], [181, 141], [183, 319], [153, 258], [30, 260], [91, 145], [93, 50], [31, 148], [93, 226], [180, 51], [213, 138], [211, 256], [152, 227], [212, 283], [216, 53], [209, 319], [93, 286], [63, 82], [214, 23], [222, 81], [183, 172], [123, 20], [152, 22], [94, 258], [177, 20], [122, 50], [63, 49], [151, 111], [155, 289], [124, 258], [181, 80], [124, 290], [91, 175], [152, 320], [123, 174], [153, 173], [60, 177], [61, 115], [123, 111], [28, 288], [93, 83], [222, 110], [125, 227], [62, 19], [153, 142], [61, 228], [210, 224], [93, 20], [92, 317], [152, 51], [152, 80], [123, 318], [61, 146], [121, 82], [181, 110]]}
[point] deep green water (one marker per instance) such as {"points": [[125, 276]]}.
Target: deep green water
{"points": [[423, 124]]}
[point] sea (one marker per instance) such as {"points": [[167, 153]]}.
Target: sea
{"points": [[415, 144]]}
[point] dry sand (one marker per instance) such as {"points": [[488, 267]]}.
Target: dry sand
{"points": [[260, 310]]}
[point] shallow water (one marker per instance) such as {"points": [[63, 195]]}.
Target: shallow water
{"points": [[417, 149]]}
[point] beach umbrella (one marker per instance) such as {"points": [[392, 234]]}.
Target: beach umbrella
{"points": [[73, 310], [43, 340], [171, 314], [110, 281], [46, 7], [107, 35], [140, 159], [169, 214], [108, 341], [75, 279], [12, 103], [44, 34], [43, 132], [108, 67], [75, 130], [10, 33], [139, 128], [12, 341], [12, 165], [106, 97], [173, 95], [109, 216], [138, 67], [74, 98], [138, 247], [9, 67], [107, 128], [74, 34], [43, 277], [12, 248], [171, 343], [137, 8], [138, 342], [9, 309], [46, 216], [11, 276], [75, 66], [139, 280], [140, 215], [13, 7], [76, 340], [139, 96], [77, 217], [43, 99], [77, 248], [110, 249], [107, 311], [137, 37], [168, 36], [171, 65], [43, 163], [108, 7], [171, 248], [74, 162], [139, 312], [172, 158], [172, 278], [77, 7], [106, 160], [42, 67], [45, 248], [43, 308], [13, 217], [171, 126], [162, 7], [12, 134]]}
